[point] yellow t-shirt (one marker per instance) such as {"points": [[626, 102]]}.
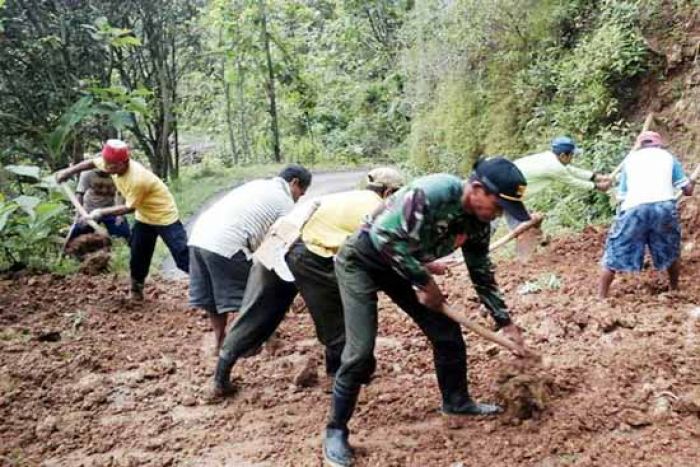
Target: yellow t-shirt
{"points": [[146, 193], [338, 217]]}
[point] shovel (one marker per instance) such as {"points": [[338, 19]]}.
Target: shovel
{"points": [[83, 213], [281, 236], [535, 220], [461, 318]]}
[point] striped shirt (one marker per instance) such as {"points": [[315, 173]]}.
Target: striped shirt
{"points": [[240, 220]]}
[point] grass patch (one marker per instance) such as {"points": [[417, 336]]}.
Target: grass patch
{"points": [[543, 282], [10, 335]]}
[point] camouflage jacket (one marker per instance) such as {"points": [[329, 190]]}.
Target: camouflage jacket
{"points": [[425, 221]]}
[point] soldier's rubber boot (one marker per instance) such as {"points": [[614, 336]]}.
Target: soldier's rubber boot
{"points": [[456, 400], [336, 448]]}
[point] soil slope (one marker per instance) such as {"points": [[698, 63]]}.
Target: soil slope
{"points": [[86, 378]]}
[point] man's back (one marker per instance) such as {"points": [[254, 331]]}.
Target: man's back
{"points": [[240, 219], [337, 217], [544, 168], [649, 175]]}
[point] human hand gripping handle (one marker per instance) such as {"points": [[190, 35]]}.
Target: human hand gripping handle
{"points": [[81, 210]]}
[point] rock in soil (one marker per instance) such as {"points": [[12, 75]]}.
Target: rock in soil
{"points": [[690, 402], [308, 376]]}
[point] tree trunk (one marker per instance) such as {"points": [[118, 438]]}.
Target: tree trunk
{"points": [[163, 135], [227, 95], [176, 171], [174, 81], [245, 138], [274, 127]]}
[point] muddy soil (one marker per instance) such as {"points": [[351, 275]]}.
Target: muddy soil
{"points": [[124, 384]]}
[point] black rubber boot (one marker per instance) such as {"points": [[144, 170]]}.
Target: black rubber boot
{"points": [[469, 407], [452, 379], [222, 386], [336, 449], [136, 291]]}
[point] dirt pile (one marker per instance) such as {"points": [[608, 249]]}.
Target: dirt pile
{"points": [[85, 244], [95, 263], [125, 383], [524, 390], [93, 252]]}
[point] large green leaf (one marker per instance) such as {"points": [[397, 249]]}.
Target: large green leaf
{"points": [[58, 138], [6, 211], [120, 119], [31, 171], [27, 203], [48, 210]]}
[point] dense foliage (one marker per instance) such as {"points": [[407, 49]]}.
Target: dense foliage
{"points": [[31, 215], [429, 85]]}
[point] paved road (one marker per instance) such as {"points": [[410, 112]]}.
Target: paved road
{"points": [[322, 183]]}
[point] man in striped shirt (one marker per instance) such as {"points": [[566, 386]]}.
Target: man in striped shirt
{"points": [[225, 236]]}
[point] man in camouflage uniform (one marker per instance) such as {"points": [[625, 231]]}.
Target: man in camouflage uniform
{"points": [[426, 220]]}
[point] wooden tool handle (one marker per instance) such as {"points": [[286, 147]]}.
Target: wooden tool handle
{"points": [[81, 210], [693, 177], [516, 232], [462, 319]]}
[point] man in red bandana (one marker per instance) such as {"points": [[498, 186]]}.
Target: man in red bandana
{"points": [[146, 195]]}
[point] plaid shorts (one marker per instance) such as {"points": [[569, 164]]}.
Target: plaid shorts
{"points": [[654, 225]]}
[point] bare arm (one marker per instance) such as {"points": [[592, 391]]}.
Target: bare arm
{"points": [[119, 210], [65, 174]]}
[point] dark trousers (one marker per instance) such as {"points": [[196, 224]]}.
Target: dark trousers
{"points": [[115, 230], [361, 274], [265, 302], [143, 243], [267, 299], [315, 278]]}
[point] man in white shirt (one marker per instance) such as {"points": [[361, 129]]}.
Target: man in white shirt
{"points": [[648, 216], [225, 236]]}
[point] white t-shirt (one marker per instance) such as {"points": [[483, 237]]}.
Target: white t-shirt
{"points": [[240, 220], [650, 175]]}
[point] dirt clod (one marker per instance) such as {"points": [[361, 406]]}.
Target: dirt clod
{"points": [[308, 376], [95, 263], [524, 392], [690, 401], [88, 243]]}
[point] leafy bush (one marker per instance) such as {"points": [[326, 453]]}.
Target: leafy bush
{"points": [[507, 76], [31, 218]]}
